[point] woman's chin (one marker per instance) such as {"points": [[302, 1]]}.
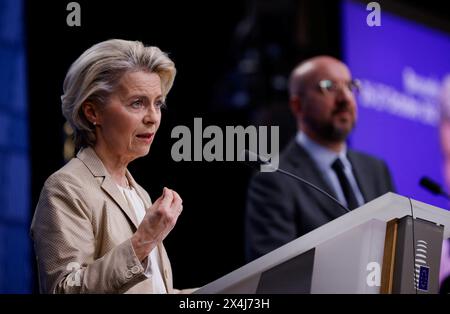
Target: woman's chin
{"points": [[143, 151], [140, 151]]}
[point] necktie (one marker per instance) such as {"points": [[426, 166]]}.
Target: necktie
{"points": [[338, 167]]}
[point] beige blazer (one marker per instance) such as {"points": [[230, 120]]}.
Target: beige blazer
{"points": [[81, 231]]}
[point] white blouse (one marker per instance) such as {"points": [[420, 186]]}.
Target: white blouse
{"points": [[153, 267]]}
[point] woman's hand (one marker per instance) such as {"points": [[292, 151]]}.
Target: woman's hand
{"points": [[159, 220]]}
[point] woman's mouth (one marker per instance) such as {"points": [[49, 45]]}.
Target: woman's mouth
{"points": [[146, 137]]}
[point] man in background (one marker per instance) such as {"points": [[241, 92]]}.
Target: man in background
{"points": [[281, 209]]}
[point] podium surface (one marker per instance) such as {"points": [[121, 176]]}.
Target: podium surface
{"points": [[354, 243]]}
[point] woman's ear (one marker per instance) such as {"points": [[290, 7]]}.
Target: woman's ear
{"points": [[90, 112]]}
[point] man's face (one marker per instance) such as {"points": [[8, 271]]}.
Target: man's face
{"points": [[328, 106]]}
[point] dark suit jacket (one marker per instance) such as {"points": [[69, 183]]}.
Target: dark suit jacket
{"points": [[281, 209]]}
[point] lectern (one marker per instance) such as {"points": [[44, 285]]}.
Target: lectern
{"points": [[390, 245]]}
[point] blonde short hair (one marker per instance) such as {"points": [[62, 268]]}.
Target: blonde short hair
{"points": [[96, 73]]}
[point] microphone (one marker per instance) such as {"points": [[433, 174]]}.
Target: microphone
{"points": [[433, 187], [252, 159]]}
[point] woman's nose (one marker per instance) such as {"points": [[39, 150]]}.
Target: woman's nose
{"points": [[151, 116]]}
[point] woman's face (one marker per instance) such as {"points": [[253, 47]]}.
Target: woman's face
{"points": [[128, 122]]}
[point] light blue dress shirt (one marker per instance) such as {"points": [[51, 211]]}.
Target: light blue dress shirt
{"points": [[324, 158]]}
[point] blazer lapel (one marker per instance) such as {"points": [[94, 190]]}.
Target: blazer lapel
{"points": [[96, 167], [110, 187]]}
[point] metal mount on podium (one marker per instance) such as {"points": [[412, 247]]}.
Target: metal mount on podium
{"points": [[376, 248]]}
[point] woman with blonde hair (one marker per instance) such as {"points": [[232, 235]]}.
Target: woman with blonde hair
{"points": [[95, 230]]}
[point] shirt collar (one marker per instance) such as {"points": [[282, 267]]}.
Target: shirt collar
{"points": [[323, 156]]}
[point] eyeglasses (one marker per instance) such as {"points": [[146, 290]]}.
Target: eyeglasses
{"points": [[330, 87]]}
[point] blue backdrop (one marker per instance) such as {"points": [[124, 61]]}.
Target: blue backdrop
{"points": [[401, 65], [15, 268]]}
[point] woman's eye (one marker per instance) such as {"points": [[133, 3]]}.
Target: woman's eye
{"points": [[137, 104]]}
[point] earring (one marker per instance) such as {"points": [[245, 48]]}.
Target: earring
{"points": [[95, 123]]}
